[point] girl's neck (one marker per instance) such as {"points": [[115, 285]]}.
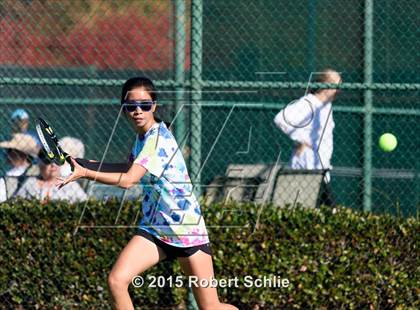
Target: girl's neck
{"points": [[142, 131]]}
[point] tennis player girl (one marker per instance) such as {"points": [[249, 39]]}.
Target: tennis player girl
{"points": [[172, 225]]}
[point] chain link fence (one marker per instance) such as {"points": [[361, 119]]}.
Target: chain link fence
{"points": [[287, 42], [224, 70]]}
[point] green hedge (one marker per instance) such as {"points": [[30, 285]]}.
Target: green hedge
{"points": [[333, 258]]}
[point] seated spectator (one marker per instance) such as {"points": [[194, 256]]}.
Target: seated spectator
{"points": [[3, 190], [20, 150], [44, 187]]}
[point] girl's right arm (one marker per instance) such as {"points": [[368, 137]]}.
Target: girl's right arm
{"points": [[120, 179]]}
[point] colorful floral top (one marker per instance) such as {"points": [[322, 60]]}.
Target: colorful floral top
{"points": [[171, 211]]}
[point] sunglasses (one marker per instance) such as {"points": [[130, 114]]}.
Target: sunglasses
{"points": [[144, 105]]}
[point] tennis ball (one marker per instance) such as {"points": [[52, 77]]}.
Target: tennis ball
{"points": [[387, 142]]}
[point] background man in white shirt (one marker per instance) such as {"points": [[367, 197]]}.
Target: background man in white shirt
{"points": [[309, 122]]}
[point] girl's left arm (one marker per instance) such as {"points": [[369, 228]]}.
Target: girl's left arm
{"points": [[124, 180]]}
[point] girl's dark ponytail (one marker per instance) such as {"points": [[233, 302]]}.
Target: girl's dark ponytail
{"points": [[157, 119]]}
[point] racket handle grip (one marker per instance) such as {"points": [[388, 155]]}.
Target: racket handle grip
{"points": [[97, 166], [88, 164], [82, 162]]}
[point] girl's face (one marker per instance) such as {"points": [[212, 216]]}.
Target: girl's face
{"points": [[139, 117]]}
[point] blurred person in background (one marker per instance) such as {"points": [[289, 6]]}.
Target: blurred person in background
{"points": [[20, 152], [43, 186], [309, 123], [20, 124], [3, 190]]}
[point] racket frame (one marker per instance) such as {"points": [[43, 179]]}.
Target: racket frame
{"points": [[55, 153]]}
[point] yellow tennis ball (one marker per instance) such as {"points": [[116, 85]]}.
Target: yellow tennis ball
{"points": [[387, 142]]}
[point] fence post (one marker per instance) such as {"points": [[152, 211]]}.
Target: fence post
{"points": [[367, 130], [179, 37], [196, 85], [311, 35]]}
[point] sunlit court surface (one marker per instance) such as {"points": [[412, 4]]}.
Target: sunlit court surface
{"points": [[193, 154]]}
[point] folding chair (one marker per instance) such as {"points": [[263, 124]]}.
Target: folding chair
{"points": [[297, 187]]}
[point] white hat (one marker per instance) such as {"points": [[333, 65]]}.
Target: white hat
{"points": [[72, 146], [23, 143]]}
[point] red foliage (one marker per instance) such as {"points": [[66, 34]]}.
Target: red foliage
{"points": [[122, 42], [19, 45], [112, 42]]}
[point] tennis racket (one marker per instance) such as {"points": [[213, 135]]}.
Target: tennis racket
{"points": [[53, 150]]}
